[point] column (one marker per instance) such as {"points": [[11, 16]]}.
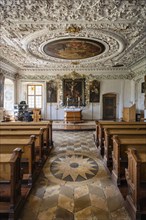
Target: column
{"points": [[2, 79]]}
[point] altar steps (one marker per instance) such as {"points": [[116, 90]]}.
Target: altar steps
{"points": [[83, 126]]}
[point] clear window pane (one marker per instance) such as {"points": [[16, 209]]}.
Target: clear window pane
{"points": [[31, 101], [31, 90], [38, 101], [38, 90]]}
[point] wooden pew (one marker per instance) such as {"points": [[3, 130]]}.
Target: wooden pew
{"points": [[120, 160], [108, 142], [28, 128], [28, 157], [117, 125], [46, 147], [25, 134], [101, 123], [136, 180], [10, 184], [47, 125]]}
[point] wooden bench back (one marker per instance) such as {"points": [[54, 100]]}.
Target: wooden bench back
{"points": [[11, 175], [20, 123], [120, 160], [136, 161], [125, 125], [27, 146], [131, 131], [24, 134], [121, 144], [5, 173], [119, 122], [8, 164], [46, 127], [136, 178]]}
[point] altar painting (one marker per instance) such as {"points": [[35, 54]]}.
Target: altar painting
{"points": [[74, 92]]}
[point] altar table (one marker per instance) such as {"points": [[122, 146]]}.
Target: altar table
{"points": [[73, 115]]}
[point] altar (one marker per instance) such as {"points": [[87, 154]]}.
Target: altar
{"points": [[72, 115]]}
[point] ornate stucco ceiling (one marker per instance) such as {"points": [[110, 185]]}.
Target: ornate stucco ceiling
{"points": [[29, 25]]}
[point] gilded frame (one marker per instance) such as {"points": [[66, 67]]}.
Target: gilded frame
{"points": [[74, 92]]}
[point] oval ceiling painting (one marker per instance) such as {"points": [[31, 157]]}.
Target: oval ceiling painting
{"points": [[74, 48]]}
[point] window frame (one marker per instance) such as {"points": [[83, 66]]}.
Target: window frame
{"points": [[34, 95]]}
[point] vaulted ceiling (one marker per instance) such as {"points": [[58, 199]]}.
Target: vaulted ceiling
{"points": [[64, 34]]}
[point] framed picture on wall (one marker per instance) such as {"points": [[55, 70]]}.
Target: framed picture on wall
{"points": [[51, 92], [74, 92], [94, 91]]}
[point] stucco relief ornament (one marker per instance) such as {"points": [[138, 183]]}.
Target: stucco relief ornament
{"points": [[56, 16], [7, 74], [73, 29], [64, 11]]}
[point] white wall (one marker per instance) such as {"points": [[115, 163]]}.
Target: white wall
{"points": [[122, 89], [139, 96], [93, 111], [127, 93], [9, 95]]}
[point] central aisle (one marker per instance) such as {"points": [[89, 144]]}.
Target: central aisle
{"points": [[74, 184]]}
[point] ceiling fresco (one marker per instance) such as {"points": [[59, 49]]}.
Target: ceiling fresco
{"points": [[62, 35], [73, 48]]}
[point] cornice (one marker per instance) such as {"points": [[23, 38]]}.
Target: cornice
{"points": [[5, 63], [139, 74], [139, 65], [89, 77], [7, 74], [54, 69]]}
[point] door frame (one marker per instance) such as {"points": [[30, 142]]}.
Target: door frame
{"points": [[114, 95]]}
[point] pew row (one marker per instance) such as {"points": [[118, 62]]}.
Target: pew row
{"points": [[100, 125], [46, 145], [28, 157], [25, 134], [11, 199], [42, 124], [108, 142], [136, 180], [120, 160]]}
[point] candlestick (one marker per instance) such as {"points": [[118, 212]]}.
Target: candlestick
{"points": [[67, 101], [78, 101]]}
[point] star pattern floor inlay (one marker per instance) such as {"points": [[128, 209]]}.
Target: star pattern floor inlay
{"points": [[74, 167], [74, 184]]}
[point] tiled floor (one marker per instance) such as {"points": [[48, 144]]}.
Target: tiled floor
{"points": [[74, 184], [84, 125]]}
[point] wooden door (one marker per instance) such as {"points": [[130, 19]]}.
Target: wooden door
{"points": [[109, 106]]}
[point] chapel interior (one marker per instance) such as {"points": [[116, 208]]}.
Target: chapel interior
{"points": [[73, 110]]}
